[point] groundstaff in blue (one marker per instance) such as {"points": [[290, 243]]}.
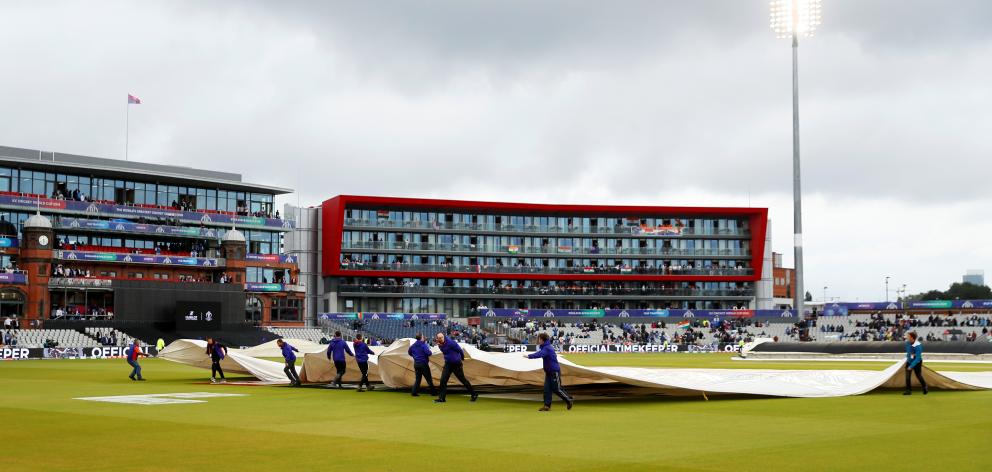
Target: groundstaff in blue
{"points": [[335, 352], [421, 353], [217, 353], [453, 359], [133, 353], [288, 353], [914, 362], [552, 372], [362, 353]]}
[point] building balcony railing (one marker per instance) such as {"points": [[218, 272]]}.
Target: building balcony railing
{"points": [[739, 272], [645, 231], [83, 224], [84, 256], [513, 250], [80, 282], [29, 202], [547, 291]]}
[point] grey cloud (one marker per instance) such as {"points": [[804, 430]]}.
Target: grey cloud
{"points": [[645, 101]]}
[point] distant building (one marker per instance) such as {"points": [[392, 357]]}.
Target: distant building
{"points": [[414, 255], [96, 238], [974, 277], [784, 282]]}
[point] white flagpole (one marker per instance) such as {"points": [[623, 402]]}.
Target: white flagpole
{"points": [[127, 119]]}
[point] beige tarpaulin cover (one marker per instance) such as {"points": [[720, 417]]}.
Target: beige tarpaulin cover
{"points": [[317, 368], [393, 367], [193, 352], [271, 349]]}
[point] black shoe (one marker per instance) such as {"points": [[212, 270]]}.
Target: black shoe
{"points": [[545, 408], [568, 405], [925, 390], [475, 396], [132, 378], [414, 394], [439, 400], [142, 379], [907, 392]]}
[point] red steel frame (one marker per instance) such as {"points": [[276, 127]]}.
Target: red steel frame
{"points": [[333, 211]]}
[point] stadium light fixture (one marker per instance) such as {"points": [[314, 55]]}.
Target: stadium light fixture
{"points": [[792, 19], [799, 17]]}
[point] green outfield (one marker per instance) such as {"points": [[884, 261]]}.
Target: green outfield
{"points": [[284, 429]]}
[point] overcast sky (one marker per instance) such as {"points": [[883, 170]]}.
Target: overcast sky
{"points": [[634, 102]]}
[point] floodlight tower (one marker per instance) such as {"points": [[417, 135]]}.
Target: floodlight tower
{"points": [[792, 19]]}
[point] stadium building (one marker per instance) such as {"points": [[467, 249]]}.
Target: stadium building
{"points": [[379, 254], [94, 238]]}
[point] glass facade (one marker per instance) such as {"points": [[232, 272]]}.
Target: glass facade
{"points": [[676, 249], [127, 192], [130, 192]]}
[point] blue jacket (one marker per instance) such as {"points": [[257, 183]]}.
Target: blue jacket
{"points": [[218, 351], [287, 352], [362, 352], [337, 349], [548, 357], [452, 351], [420, 352], [914, 354]]}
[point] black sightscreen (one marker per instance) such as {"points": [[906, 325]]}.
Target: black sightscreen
{"points": [[197, 316]]}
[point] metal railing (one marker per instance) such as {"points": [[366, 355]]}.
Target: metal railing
{"points": [[545, 291], [513, 250], [730, 271], [509, 228]]}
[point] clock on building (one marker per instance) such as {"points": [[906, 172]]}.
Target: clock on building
{"points": [[43, 240]]}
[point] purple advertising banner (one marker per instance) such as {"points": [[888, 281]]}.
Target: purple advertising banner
{"points": [[383, 316], [633, 313], [842, 308], [271, 258], [127, 227], [13, 278], [136, 258], [945, 304], [127, 211]]}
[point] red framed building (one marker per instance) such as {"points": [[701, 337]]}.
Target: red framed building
{"points": [[451, 256]]}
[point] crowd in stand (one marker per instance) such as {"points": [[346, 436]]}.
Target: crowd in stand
{"points": [[183, 204], [9, 338], [174, 248], [453, 329], [734, 330], [879, 328], [76, 195], [61, 271], [243, 211], [78, 313], [108, 337]]}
